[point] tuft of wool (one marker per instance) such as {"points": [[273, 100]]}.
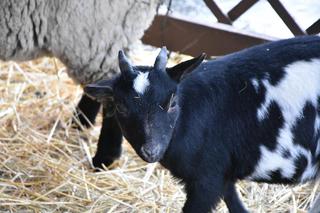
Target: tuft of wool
{"points": [[85, 35]]}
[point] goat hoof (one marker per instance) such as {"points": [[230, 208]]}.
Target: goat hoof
{"points": [[99, 161]]}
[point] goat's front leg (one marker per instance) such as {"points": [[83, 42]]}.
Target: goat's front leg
{"points": [[232, 200], [203, 195], [86, 111], [109, 144]]}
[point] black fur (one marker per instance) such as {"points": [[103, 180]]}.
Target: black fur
{"points": [[205, 129], [86, 111], [109, 144]]}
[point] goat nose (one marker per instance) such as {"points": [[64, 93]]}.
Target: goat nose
{"points": [[151, 153]]}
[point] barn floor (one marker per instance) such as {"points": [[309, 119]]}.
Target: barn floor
{"points": [[45, 164]]}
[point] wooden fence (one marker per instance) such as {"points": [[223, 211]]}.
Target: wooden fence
{"points": [[220, 38]]}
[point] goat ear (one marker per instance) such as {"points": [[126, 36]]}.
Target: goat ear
{"points": [[179, 71], [100, 90]]}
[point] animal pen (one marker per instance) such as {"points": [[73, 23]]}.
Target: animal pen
{"points": [[45, 164]]}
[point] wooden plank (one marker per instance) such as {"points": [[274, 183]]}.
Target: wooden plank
{"points": [[193, 38], [286, 17], [314, 28], [217, 12], [240, 8]]}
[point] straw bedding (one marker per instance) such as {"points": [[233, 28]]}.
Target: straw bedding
{"points": [[45, 164]]}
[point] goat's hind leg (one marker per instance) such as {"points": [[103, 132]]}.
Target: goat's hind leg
{"points": [[315, 208], [232, 200], [203, 195]]}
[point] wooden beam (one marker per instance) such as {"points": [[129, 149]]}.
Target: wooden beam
{"points": [[217, 12], [193, 38], [286, 17], [314, 28], [240, 8]]}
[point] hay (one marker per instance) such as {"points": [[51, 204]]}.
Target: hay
{"points": [[45, 164]]}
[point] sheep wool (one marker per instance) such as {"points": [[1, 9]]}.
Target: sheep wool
{"points": [[85, 35]]}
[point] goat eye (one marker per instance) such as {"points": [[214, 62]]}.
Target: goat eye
{"points": [[122, 109], [166, 104], [172, 103]]}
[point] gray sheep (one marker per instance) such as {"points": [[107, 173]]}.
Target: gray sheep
{"points": [[86, 36]]}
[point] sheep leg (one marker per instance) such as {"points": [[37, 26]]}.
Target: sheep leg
{"points": [[86, 111], [109, 144], [203, 196], [232, 200]]}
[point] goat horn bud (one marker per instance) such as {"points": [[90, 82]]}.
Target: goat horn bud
{"points": [[124, 64], [161, 60]]}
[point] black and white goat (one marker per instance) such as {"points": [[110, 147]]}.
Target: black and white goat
{"points": [[254, 115]]}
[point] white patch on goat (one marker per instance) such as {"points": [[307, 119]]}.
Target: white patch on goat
{"points": [[311, 170], [273, 161], [255, 84], [318, 148], [299, 85], [317, 124], [141, 82]]}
